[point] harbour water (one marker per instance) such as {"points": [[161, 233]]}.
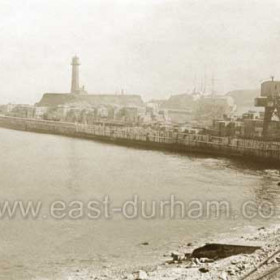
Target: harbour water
{"points": [[48, 168]]}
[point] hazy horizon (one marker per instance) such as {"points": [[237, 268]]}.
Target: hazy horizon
{"points": [[154, 48]]}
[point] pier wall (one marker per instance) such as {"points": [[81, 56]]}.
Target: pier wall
{"points": [[155, 139]]}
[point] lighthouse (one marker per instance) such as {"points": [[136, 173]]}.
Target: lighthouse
{"points": [[75, 87]]}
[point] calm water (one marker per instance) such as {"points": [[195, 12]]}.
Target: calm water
{"points": [[47, 168]]}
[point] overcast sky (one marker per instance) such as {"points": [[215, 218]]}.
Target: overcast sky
{"points": [[150, 47]]}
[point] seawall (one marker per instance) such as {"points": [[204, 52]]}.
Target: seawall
{"points": [[153, 139]]}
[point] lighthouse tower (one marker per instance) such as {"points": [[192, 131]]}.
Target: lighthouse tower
{"points": [[75, 87]]}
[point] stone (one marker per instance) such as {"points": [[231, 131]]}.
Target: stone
{"points": [[206, 260], [129, 277], [231, 271], [204, 269], [187, 256], [240, 266], [223, 276], [141, 275], [176, 256]]}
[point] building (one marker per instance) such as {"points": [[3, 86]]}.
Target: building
{"points": [[186, 108], [79, 97], [270, 100], [21, 111]]}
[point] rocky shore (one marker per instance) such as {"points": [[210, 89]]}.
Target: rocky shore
{"points": [[259, 256], [239, 266], [182, 264]]}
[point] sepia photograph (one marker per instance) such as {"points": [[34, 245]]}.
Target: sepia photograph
{"points": [[140, 140]]}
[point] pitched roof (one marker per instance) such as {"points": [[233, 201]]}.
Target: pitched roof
{"points": [[55, 99]]}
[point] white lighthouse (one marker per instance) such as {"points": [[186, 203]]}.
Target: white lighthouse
{"points": [[75, 87]]}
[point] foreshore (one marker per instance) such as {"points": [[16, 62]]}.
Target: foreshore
{"points": [[261, 264]]}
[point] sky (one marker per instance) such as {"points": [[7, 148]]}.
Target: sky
{"points": [[155, 48]]}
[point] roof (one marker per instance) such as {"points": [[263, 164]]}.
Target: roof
{"points": [[56, 99]]}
